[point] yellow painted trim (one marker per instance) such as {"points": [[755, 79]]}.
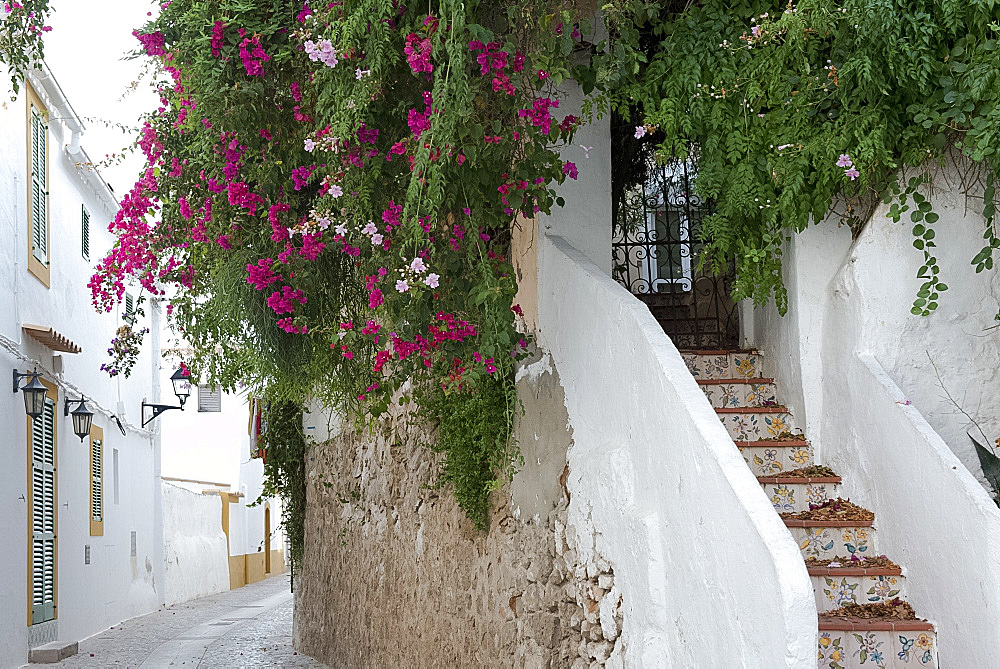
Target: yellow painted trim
{"points": [[267, 537], [96, 526], [52, 394], [35, 267]]}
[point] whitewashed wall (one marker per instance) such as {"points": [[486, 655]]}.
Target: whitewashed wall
{"points": [[194, 546], [115, 585], [709, 575]]}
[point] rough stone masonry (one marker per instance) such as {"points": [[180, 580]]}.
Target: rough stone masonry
{"points": [[394, 574]]}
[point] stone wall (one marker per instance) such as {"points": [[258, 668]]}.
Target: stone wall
{"points": [[394, 574]]}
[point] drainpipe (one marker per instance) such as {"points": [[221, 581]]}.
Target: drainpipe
{"points": [[157, 483]]}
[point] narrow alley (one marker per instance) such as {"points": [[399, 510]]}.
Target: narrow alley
{"points": [[247, 627]]}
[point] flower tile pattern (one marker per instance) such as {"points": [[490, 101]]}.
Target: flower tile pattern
{"points": [[833, 591], [798, 496], [772, 460], [828, 542], [756, 426], [732, 395]]}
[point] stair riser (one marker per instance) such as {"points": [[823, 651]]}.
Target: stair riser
{"points": [[798, 496], [756, 426], [835, 591], [731, 395], [727, 366], [844, 649], [770, 461], [829, 542]]}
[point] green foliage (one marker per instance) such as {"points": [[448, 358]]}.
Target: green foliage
{"points": [[774, 93], [285, 469], [21, 33], [473, 428]]}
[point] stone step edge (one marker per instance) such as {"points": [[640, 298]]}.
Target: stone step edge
{"points": [[855, 571], [796, 522], [784, 480], [717, 351], [850, 624], [757, 381], [797, 443], [731, 410]]}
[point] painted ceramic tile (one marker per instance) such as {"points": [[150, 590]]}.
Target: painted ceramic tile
{"points": [[869, 649], [917, 649], [777, 424], [824, 542], [693, 363], [742, 426], [833, 592], [759, 394], [798, 496], [714, 366], [831, 650], [725, 395], [744, 365], [770, 461]]}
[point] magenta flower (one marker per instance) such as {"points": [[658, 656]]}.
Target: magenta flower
{"points": [[569, 169]]}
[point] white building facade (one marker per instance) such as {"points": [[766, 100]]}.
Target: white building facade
{"points": [[82, 528]]}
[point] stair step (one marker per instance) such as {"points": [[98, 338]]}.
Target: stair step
{"points": [[722, 364], [891, 644], [756, 423], [830, 538], [835, 587], [796, 493], [768, 458]]}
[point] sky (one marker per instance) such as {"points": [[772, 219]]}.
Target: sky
{"points": [[85, 51]]}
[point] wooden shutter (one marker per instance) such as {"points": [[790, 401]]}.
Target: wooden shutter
{"points": [[129, 303], [85, 233], [43, 515], [96, 482], [39, 186]]}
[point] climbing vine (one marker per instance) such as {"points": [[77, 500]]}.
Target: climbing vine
{"points": [[814, 109], [22, 24]]}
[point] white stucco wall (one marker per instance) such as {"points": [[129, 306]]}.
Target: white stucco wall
{"points": [[115, 585], [710, 576], [194, 546]]}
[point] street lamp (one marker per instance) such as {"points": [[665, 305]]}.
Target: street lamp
{"points": [[82, 417], [181, 381], [34, 392]]}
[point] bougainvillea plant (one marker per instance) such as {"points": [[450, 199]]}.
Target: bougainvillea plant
{"points": [[22, 24], [328, 200]]}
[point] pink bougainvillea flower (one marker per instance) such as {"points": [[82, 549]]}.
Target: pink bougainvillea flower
{"points": [[569, 169], [432, 280], [402, 286], [418, 265]]}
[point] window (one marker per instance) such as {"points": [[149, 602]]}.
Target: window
{"points": [[42, 549], [85, 233], [209, 399], [96, 482], [38, 182], [129, 303]]}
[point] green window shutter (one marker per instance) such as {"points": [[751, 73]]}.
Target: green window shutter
{"points": [[39, 194], [97, 478], [85, 233], [43, 515], [129, 303]]}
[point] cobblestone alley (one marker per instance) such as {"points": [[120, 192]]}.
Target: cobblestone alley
{"points": [[247, 627]]}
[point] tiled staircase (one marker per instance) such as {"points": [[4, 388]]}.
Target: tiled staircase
{"points": [[841, 554]]}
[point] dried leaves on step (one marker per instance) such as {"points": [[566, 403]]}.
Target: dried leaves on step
{"points": [[895, 609], [870, 562], [786, 436], [812, 471], [833, 509]]}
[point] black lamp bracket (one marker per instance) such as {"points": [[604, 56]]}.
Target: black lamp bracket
{"points": [[157, 410], [68, 400], [22, 375]]}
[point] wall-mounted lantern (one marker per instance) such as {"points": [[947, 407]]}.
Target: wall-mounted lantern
{"points": [[34, 392], [83, 417], [181, 380]]}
